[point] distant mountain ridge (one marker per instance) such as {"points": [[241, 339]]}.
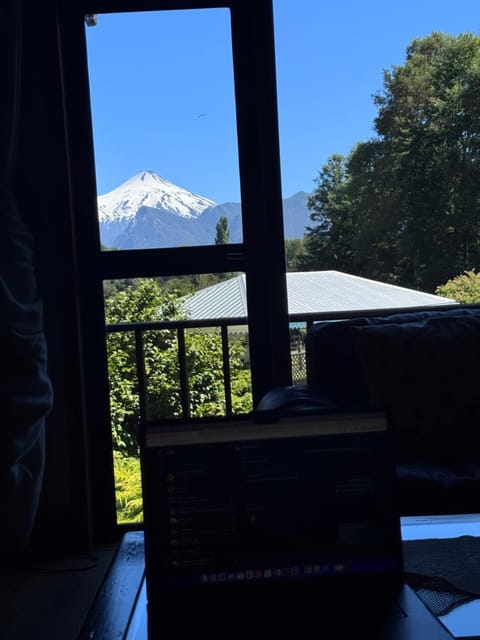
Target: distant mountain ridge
{"points": [[148, 212]]}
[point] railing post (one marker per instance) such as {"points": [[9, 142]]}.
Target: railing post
{"points": [[227, 383], [182, 364], [141, 376]]}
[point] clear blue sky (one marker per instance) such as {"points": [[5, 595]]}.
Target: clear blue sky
{"points": [[162, 86]]}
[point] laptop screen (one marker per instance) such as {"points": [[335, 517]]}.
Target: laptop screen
{"points": [[234, 502]]}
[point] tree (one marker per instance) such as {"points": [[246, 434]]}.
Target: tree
{"points": [[404, 206], [464, 288], [145, 301], [429, 121], [330, 243], [294, 252], [222, 233]]}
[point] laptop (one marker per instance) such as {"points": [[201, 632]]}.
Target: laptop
{"points": [[276, 527]]}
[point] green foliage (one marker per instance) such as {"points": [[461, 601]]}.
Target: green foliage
{"points": [[142, 301], [110, 287], [222, 232], [294, 253], [147, 301], [183, 285], [128, 488], [404, 206], [331, 239], [464, 288]]}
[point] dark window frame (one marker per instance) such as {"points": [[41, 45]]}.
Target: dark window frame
{"points": [[261, 254]]}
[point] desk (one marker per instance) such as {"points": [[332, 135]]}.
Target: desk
{"points": [[120, 608], [137, 629]]}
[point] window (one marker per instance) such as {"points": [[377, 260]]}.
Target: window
{"points": [[162, 95], [313, 127], [257, 252]]}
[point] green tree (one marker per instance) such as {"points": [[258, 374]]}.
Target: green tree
{"points": [[142, 301], [294, 252], [329, 244], [222, 232], [429, 122], [464, 288], [147, 301], [404, 206]]}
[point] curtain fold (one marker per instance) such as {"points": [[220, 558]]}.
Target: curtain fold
{"points": [[25, 390]]}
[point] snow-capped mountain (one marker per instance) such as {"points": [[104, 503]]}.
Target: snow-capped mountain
{"points": [[148, 211], [148, 189], [119, 207]]}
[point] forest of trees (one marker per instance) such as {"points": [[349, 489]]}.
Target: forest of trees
{"points": [[404, 206]]}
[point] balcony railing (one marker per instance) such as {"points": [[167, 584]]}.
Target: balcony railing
{"points": [[300, 323], [180, 327]]}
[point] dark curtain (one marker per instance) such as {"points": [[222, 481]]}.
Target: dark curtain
{"points": [[25, 388]]}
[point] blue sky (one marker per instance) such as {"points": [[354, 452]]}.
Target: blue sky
{"points": [[162, 86]]}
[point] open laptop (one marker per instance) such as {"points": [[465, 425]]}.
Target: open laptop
{"points": [[273, 528]]}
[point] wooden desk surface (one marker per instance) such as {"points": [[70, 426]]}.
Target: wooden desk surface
{"points": [[115, 605], [120, 609]]}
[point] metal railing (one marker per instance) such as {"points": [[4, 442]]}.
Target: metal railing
{"points": [[180, 327], [224, 326]]}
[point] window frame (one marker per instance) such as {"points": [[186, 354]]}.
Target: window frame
{"points": [[261, 255]]}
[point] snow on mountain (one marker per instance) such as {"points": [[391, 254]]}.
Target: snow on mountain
{"points": [[148, 189], [148, 211]]}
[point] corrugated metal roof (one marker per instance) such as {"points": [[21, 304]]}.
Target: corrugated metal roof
{"points": [[226, 299], [310, 292]]}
